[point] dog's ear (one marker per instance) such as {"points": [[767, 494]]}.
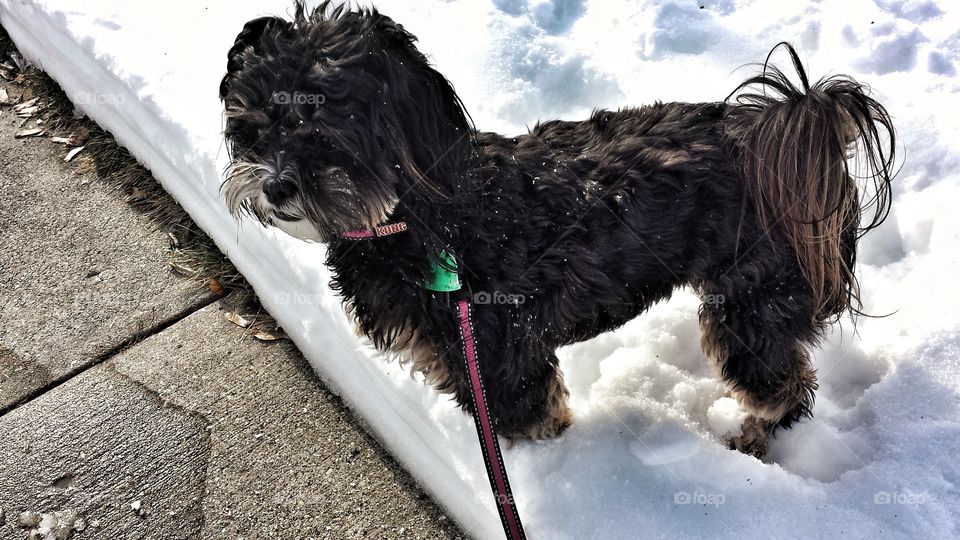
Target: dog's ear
{"points": [[248, 38], [423, 127]]}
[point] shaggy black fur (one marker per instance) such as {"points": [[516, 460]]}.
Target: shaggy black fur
{"points": [[590, 223]]}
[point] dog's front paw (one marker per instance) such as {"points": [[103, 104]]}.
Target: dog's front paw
{"points": [[551, 426], [753, 438], [554, 425]]}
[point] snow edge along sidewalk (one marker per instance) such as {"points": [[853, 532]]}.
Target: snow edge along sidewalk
{"points": [[185, 174]]}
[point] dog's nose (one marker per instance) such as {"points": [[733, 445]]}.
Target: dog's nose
{"points": [[278, 191]]}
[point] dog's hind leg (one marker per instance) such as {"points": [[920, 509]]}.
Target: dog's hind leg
{"points": [[756, 326]]}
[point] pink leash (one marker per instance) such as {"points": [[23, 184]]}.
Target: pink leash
{"points": [[489, 445], [492, 458]]}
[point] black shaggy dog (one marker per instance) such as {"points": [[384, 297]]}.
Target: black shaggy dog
{"points": [[336, 122]]}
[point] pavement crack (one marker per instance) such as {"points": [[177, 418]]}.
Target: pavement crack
{"points": [[134, 339]]}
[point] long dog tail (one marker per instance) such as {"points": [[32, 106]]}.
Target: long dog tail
{"points": [[806, 152]]}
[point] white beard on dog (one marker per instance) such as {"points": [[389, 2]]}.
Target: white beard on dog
{"points": [[301, 229]]}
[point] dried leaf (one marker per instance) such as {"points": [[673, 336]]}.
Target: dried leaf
{"points": [[237, 319], [5, 97], [63, 140], [215, 287], [136, 194], [174, 241], [28, 112], [26, 104], [73, 153], [80, 135], [18, 60], [182, 270], [266, 336], [6, 74], [29, 133]]}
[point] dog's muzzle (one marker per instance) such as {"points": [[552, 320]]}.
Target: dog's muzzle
{"points": [[268, 192], [260, 188]]}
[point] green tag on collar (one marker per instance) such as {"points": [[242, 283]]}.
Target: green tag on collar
{"points": [[443, 274]]}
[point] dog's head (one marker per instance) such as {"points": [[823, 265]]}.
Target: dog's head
{"points": [[333, 119]]}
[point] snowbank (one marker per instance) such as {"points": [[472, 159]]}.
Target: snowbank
{"points": [[644, 457]]}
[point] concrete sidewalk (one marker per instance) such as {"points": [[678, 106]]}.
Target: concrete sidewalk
{"points": [[130, 408]]}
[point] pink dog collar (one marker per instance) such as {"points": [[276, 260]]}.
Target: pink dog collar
{"points": [[376, 232]]}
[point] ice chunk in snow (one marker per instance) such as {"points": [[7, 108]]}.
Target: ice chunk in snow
{"points": [[726, 417]]}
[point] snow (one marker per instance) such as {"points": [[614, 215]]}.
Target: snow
{"points": [[644, 458], [725, 417]]}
